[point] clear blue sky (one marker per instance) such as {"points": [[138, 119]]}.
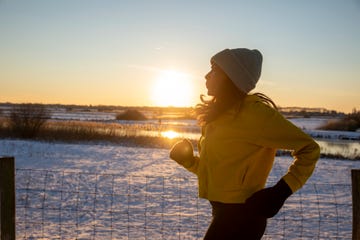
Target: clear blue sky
{"points": [[115, 52]]}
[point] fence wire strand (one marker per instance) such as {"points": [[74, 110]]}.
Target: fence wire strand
{"points": [[81, 205]]}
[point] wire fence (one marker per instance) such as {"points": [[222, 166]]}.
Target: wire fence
{"points": [[82, 205]]}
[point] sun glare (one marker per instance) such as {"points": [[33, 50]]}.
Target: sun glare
{"points": [[170, 134], [172, 88]]}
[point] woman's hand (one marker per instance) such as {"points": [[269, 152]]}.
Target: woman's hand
{"points": [[183, 153]]}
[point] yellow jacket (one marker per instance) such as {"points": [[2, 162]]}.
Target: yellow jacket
{"points": [[237, 151]]}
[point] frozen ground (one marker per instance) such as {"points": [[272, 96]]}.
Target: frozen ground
{"points": [[105, 191]]}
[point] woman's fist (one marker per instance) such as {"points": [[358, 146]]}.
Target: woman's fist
{"points": [[183, 153]]}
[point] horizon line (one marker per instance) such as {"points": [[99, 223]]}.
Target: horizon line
{"points": [[321, 109]]}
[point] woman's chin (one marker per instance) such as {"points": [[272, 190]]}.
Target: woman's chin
{"points": [[210, 93]]}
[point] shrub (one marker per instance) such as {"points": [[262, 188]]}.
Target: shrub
{"points": [[351, 122], [131, 114], [26, 120]]}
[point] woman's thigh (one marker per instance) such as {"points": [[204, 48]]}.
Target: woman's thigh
{"points": [[235, 223]]}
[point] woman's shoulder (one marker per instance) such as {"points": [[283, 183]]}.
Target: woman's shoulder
{"points": [[253, 104]]}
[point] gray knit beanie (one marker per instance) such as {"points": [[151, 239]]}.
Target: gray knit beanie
{"points": [[241, 65]]}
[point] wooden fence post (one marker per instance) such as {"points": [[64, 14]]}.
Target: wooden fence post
{"points": [[7, 198], [355, 181]]}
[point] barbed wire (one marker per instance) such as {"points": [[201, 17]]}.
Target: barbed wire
{"points": [[54, 204]]}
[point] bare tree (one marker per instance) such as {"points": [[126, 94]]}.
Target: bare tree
{"points": [[27, 119]]}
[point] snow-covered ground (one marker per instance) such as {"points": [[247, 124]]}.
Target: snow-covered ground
{"points": [[106, 191]]}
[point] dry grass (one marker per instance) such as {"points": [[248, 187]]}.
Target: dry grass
{"points": [[123, 134], [75, 131], [351, 122]]}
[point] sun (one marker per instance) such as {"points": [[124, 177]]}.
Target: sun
{"points": [[172, 88]]}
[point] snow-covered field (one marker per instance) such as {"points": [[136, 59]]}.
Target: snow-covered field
{"points": [[106, 191]]}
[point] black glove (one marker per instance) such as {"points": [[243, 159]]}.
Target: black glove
{"points": [[268, 201]]}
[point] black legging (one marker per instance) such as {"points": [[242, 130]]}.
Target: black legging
{"points": [[234, 221]]}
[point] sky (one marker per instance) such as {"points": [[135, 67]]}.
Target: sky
{"points": [[157, 52]]}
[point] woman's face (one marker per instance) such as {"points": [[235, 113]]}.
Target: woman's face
{"points": [[214, 80]]}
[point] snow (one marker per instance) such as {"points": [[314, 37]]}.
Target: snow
{"points": [[114, 192]]}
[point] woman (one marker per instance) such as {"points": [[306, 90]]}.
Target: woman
{"points": [[240, 135]]}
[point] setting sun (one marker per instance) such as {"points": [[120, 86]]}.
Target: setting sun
{"points": [[172, 88]]}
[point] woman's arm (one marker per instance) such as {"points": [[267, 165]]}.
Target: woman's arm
{"points": [[280, 133]]}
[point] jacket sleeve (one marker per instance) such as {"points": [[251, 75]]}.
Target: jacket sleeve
{"points": [[195, 164], [194, 167], [279, 133]]}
